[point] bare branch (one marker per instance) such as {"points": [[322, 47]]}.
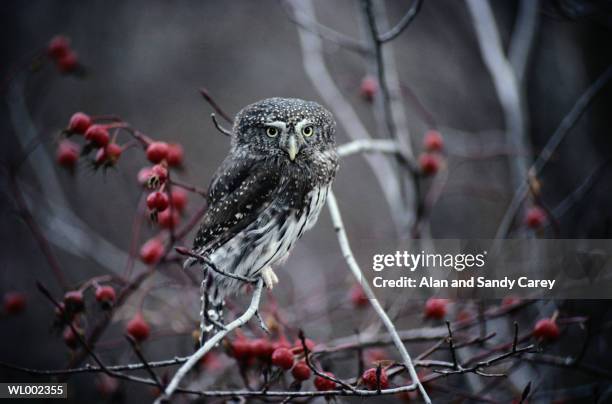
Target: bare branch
{"points": [[505, 82], [204, 92], [140, 355], [402, 24], [220, 128], [323, 31], [205, 260], [523, 34], [354, 266], [555, 140]]}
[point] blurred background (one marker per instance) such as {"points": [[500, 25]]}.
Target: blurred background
{"points": [[145, 61]]}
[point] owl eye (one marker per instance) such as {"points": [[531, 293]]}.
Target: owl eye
{"points": [[272, 131], [308, 131]]}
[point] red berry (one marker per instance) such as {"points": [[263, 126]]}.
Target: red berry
{"points": [[157, 200], [138, 328], [108, 155], [74, 301], [168, 219], [61, 310], [376, 355], [301, 371], [179, 198], [546, 329], [105, 294], [430, 164], [113, 152], [369, 88], [160, 172], [283, 358], [358, 297], [298, 347], [105, 385], [70, 338], [464, 315], [98, 135], [58, 46], [79, 123], [281, 343], [67, 153], [14, 302], [68, 63], [433, 141], [175, 154], [369, 379], [157, 151], [323, 384], [262, 348], [151, 251], [241, 348], [435, 308], [535, 217], [143, 175]]}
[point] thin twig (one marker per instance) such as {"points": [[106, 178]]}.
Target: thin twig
{"points": [[220, 128], [204, 92], [323, 31], [403, 23], [39, 236], [205, 260], [314, 368], [145, 363], [451, 345]]}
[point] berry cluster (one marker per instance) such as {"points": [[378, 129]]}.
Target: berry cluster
{"points": [[60, 51], [72, 307], [280, 353], [165, 205], [430, 159]]}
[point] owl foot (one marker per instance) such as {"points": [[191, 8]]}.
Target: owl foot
{"points": [[269, 277]]}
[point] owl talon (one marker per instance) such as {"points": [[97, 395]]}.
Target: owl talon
{"points": [[269, 277]]}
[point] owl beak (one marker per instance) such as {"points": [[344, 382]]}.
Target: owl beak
{"points": [[292, 147]]}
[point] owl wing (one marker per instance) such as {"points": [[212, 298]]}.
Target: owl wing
{"points": [[240, 191]]}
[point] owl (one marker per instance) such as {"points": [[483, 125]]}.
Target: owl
{"points": [[268, 191]]}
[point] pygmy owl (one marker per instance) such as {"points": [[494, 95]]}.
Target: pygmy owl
{"points": [[267, 192]]}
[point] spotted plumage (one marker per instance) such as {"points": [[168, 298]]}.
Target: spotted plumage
{"points": [[267, 192]]}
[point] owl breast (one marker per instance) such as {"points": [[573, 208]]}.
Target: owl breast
{"points": [[269, 240]]}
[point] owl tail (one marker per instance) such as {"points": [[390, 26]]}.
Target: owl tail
{"points": [[211, 313]]}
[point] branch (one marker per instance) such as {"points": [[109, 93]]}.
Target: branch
{"points": [[354, 266], [323, 31], [368, 146], [555, 140], [204, 92], [314, 369], [140, 355], [505, 82], [36, 231], [402, 24], [220, 128], [524, 32], [210, 343], [205, 260]]}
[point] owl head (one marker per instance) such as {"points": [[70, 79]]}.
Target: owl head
{"points": [[288, 128]]}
